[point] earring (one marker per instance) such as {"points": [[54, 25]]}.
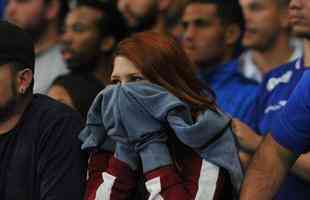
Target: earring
{"points": [[22, 90]]}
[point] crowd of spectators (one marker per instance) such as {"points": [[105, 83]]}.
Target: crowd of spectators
{"points": [[245, 60]]}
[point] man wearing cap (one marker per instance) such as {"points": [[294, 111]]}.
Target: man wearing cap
{"points": [[43, 20], [39, 150]]}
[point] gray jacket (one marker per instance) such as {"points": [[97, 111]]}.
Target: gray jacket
{"points": [[137, 114]]}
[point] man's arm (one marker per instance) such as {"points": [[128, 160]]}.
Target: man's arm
{"points": [[301, 168], [267, 170], [249, 142], [247, 138]]}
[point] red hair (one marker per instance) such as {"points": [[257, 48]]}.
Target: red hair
{"points": [[162, 61]]}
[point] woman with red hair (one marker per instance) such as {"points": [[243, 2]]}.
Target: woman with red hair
{"points": [[165, 125]]}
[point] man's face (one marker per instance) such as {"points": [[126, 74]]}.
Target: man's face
{"points": [[139, 14], [299, 17], [263, 23], [8, 92], [27, 14], [203, 36], [81, 37]]}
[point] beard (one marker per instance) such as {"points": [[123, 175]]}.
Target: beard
{"points": [[38, 29], [82, 62], [79, 65], [10, 107]]}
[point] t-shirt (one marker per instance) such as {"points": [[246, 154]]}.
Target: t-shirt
{"points": [[273, 94], [292, 129], [48, 66], [250, 70], [1, 8], [41, 157], [234, 93], [272, 97]]}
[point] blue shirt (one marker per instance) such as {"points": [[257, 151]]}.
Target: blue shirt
{"points": [[234, 93], [273, 94], [1, 8], [292, 129]]}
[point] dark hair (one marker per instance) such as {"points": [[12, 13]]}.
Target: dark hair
{"points": [[229, 11], [112, 23], [174, 13], [81, 89], [162, 61], [63, 10]]}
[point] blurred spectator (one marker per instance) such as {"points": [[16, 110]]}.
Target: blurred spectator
{"points": [[173, 17], [272, 99], [267, 37], [290, 129], [41, 157], [78, 92], [1, 8], [149, 15], [42, 19], [212, 30], [279, 151], [91, 31], [277, 154]]}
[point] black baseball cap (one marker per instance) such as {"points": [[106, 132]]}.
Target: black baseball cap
{"points": [[16, 45]]}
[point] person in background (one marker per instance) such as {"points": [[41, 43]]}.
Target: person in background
{"points": [[212, 30], [279, 151], [75, 91], [272, 98], [1, 8], [40, 152], [173, 17], [91, 32], [267, 38], [43, 20], [143, 15]]}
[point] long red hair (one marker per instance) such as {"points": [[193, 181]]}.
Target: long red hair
{"points": [[162, 61]]}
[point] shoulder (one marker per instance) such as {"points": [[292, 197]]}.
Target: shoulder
{"points": [[305, 80], [45, 109], [244, 84], [283, 69], [53, 121], [51, 57], [239, 77], [279, 76]]}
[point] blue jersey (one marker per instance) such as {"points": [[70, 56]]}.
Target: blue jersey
{"points": [[1, 8], [235, 94], [292, 129], [272, 97], [273, 94]]}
